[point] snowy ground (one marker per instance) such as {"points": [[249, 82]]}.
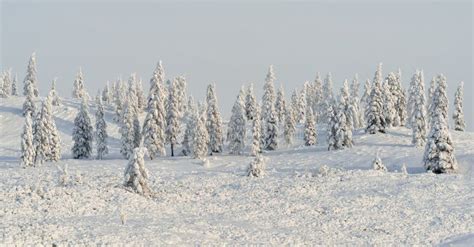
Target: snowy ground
{"points": [[296, 203]]}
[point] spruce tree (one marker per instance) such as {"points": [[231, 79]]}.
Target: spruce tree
{"points": [[154, 137], [439, 151], [201, 137], [271, 134], [290, 126], [30, 78], [214, 121], [365, 100], [14, 86], [280, 104], [27, 157], [127, 130], [100, 131], [374, 113], [268, 98], [256, 133], [440, 99], [310, 134], [141, 101], [354, 101], [107, 94], [318, 95], [419, 123], [55, 100], [190, 119], [7, 83], [172, 116], [328, 98], [250, 103], [136, 174], [343, 126], [294, 105], [431, 92], [332, 129], [119, 100], [302, 105], [157, 86], [347, 105], [237, 126], [389, 111], [54, 138], [78, 90], [82, 133], [458, 115], [181, 94], [29, 106]]}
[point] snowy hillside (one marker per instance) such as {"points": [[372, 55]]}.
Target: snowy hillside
{"points": [[308, 196]]}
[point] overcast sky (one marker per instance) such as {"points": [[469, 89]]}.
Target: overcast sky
{"points": [[233, 43]]}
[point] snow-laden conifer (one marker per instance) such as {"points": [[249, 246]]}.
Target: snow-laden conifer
{"points": [[347, 105], [419, 121], [106, 94], [269, 96], [458, 115], [54, 138], [250, 103], [136, 174], [141, 101], [29, 106], [290, 126], [365, 99], [354, 101], [398, 97], [440, 99], [318, 95], [294, 105], [172, 115], [328, 98], [30, 78], [14, 86], [82, 133], [256, 167], [78, 89], [271, 132], [280, 105], [439, 151], [157, 85], [55, 100], [310, 134], [431, 92], [27, 157], [332, 129], [153, 132], [127, 130], [214, 121], [302, 105], [7, 83], [181, 94], [190, 121], [100, 131], [237, 126], [256, 133], [375, 111], [201, 137], [389, 111], [120, 97], [343, 129]]}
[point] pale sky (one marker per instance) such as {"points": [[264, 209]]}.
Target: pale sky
{"points": [[233, 42]]}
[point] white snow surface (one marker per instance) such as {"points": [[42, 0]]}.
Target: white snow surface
{"points": [[308, 196]]}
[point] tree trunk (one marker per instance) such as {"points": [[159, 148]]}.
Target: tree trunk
{"points": [[172, 149]]}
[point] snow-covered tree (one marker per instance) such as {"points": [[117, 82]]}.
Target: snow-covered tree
{"points": [[280, 105], [290, 126], [157, 85], [375, 111], [365, 100], [269, 97], [439, 151], [271, 132], [398, 98], [250, 103], [190, 120], [294, 105], [343, 123], [458, 115], [82, 133], [136, 174], [431, 92], [30, 78], [201, 137], [302, 104], [141, 101], [332, 128], [100, 131], [14, 86], [237, 126], [107, 94], [154, 137], [181, 94], [378, 165], [40, 136], [328, 98], [3, 94], [310, 134], [256, 133], [256, 167], [7, 83], [347, 105], [172, 115], [27, 157], [389, 111], [78, 89], [127, 130], [54, 139], [214, 121], [318, 95], [120, 96], [29, 106], [55, 100], [354, 101], [419, 123], [440, 99]]}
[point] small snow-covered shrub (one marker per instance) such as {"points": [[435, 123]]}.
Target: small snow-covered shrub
{"points": [[136, 175], [404, 169], [378, 164], [256, 167]]}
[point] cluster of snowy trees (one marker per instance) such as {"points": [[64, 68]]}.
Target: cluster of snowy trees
{"points": [[174, 119]]}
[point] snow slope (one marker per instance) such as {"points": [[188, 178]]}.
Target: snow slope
{"points": [[308, 196]]}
